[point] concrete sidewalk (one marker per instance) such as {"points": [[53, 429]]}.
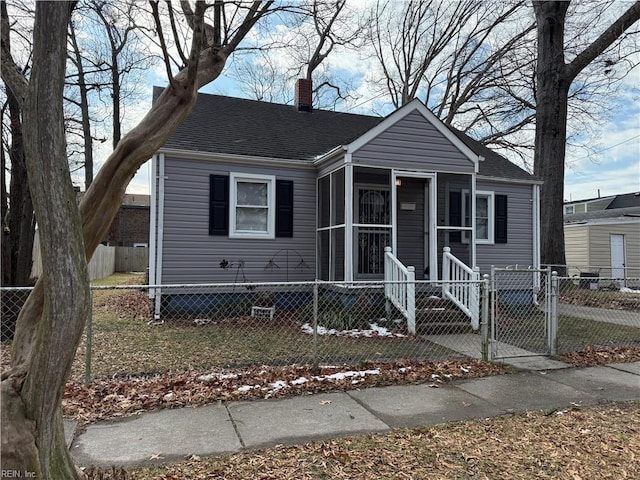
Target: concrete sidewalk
{"points": [[171, 435], [619, 317]]}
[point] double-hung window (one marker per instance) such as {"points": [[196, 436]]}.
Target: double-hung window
{"points": [[252, 206], [485, 216]]}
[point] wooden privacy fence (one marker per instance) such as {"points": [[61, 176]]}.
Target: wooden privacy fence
{"points": [[102, 264], [105, 260], [132, 259]]}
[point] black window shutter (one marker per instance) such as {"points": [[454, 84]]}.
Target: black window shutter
{"points": [[219, 205], [500, 233], [284, 208], [455, 215]]}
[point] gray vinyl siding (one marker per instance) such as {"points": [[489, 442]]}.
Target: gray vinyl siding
{"points": [[413, 143], [519, 247], [191, 255], [329, 166]]}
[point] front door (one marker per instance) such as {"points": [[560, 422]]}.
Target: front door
{"points": [[413, 226], [617, 256], [373, 229]]}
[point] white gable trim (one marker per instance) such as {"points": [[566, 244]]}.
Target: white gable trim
{"points": [[402, 112]]}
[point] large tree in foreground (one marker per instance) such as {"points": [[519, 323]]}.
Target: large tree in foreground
{"points": [[554, 80], [51, 322]]}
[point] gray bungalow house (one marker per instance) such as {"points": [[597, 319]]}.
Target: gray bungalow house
{"points": [[262, 192]]}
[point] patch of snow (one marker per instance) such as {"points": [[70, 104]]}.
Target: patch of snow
{"points": [[356, 376], [217, 376], [279, 385], [628, 290], [374, 330], [202, 321], [348, 374], [246, 388]]}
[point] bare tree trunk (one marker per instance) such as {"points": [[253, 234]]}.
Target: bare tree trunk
{"points": [[52, 320], [32, 428], [84, 109], [551, 127], [554, 78], [5, 260], [21, 218], [115, 85]]}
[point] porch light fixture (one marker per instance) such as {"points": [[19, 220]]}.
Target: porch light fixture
{"points": [[398, 182]]}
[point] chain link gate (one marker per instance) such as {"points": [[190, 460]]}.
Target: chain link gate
{"points": [[523, 311]]}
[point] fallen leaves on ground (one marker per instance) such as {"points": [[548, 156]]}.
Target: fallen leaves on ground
{"points": [[134, 304], [601, 442], [612, 300], [595, 356], [130, 396]]}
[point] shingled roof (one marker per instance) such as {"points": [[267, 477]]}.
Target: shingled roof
{"points": [[625, 212], [237, 126]]}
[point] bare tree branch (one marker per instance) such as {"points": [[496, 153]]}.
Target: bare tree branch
{"points": [[605, 40]]}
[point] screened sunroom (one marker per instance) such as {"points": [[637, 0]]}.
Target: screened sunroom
{"points": [[361, 210]]}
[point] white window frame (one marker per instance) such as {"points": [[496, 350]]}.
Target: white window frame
{"points": [[569, 209], [270, 181], [490, 240]]}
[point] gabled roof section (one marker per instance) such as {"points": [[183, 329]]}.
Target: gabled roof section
{"points": [[494, 165], [237, 126], [241, 127], [402, 112]]}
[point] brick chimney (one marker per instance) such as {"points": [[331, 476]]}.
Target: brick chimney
{"points": [[304, 95]]}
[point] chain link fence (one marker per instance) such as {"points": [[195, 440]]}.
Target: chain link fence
{"points": [[143, 330], [521, 313], [598, 311]]}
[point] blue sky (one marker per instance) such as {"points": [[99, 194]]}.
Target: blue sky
{"points": [[611, 164], [614, 168]]}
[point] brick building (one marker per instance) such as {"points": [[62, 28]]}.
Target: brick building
{"points": [[130, 228]]}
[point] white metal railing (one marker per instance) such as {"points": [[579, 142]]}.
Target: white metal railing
{"points": [[400, 287], [460, 284]]}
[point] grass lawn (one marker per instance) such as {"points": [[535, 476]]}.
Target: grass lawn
{"points": [[124, 343], [611, 299], [529, 332], [579, 443]]}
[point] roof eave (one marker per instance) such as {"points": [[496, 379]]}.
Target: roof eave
{"points": [[334, 152], [235, 158], [532, 181]]}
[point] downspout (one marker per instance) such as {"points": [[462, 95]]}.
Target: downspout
{"points": [[158, 273], [536, 241], [153, 224], [536, 226]]}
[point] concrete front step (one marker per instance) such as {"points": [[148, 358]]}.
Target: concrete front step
{"points": [[437, 315]]}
